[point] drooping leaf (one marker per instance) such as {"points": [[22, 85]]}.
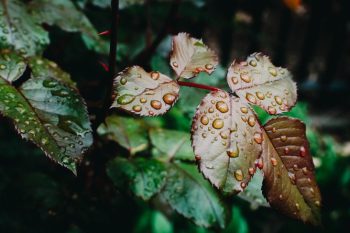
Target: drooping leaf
{"points": [[226, 139], [127, 132], [48, 113], [289, 183], [145, 94], [191, 196], [144, 177], [253, 193], [191, 56], [64, 14], [19, 30], [172, 144], [42, 67], [261, 83]]}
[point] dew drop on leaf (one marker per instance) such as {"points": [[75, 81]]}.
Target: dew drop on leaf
{"points": [[238, 175], [222, 106], [218, 123], [125, 99], [251, 98], [137, 108], [169, 98]]}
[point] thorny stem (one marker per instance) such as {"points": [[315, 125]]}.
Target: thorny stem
{"points": [[196, 85]]}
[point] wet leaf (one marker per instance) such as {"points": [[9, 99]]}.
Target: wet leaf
{"points": [[190, 195], [172, 144], [19, 30], [145, 94], [191, 56], [226, 138], [127, 132], [289, 183], [12, 66], [261, 83], [144, 177], [253, 193], [48, 113]]}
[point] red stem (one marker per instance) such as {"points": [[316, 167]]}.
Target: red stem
{"points": [[196, 85]]}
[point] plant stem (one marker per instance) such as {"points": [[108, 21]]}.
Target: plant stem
{"points": [[196, 85]]}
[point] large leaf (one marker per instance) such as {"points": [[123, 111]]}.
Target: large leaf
{"points": [[289, 183], [19, 30], [190, 56], [190, 195], [127, 132], [64, 14], [48, 113], [226, 138], [261, 83], [145, 94], [145, 177], [172, 144]]}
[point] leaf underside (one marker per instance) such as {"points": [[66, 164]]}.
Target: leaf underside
{"points": [[144, 94], [190, 56], [226, 139], [289, 183]]}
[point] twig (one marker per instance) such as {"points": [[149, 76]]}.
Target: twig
{"points": [[196, 85]]}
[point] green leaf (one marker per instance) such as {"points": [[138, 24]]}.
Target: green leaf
{"points": [[12, 66], [191, 56], [144, 177], [172, 144], [144, 94], [192, 196], [153, 222], [48, 113], [127, 132], [289, 183], [226, 139], [238, 224], [19, 30], [259, 82], [64, 14]]}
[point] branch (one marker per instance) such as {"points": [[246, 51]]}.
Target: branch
{"points": [[196, 85]]}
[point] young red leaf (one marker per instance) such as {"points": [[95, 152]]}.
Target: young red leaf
{"points": [[226, 139], [261, 83], [190, 56], [145, 94], [289, 183]]}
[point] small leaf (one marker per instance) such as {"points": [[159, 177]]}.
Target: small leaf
{"points": [[253, 193], [127, 132], [172, 144], [226, 138], [261, 83], [190, 195], [145, 94], [289, 183], [19, 30], [190, 56], [48, 113], [145, 177], [12, 66]]}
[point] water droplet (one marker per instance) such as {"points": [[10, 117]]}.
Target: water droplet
{"points": [[223, 135], [312, 190], [155, 75], [125, 99], [274, 162], [302, 151], [49, 83], [291, 177], [238, 175], [251, 171], [259, 163], [283, 138], [143, 100], [251, 121], [278, 100], [123, 81], [169, 98], [297, 206], [175, 64], [209, 166], [235, 80], [317, 203], [137, 108], [253, 63], [246, 78], [218, 123], [204, 135], [2, 67], [274, 130], [258, 138], [210, 110], [204, 120], [233, 152], [198, 157], [280, 196], [271, 110], [209, 66], [250, 98], [222, 106], [44, 141], [304, 170], [260, 95], [243, 185], [273, 71], [286, 150], [156, 104], [244, 110]]}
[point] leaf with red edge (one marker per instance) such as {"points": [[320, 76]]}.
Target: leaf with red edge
{"points": [[289, 183], [261, 83], [226, 139], [144, 94], [191, 56]]}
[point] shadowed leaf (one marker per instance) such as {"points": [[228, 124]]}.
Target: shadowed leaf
{"points": [[145, 177], [190, 195], [226, 138], [261, 83], [12, 66], [190, 56], [289, 183], [145, 94]]}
